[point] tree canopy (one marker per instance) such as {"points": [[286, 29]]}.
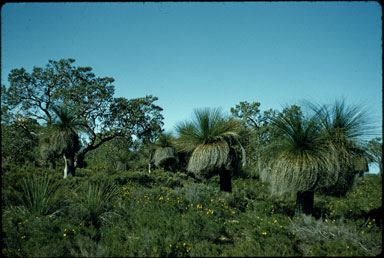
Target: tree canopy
{"points": [[88, 97]]}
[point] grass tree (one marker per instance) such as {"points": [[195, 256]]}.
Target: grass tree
{"points": [[39, 196], [164, 152], [375, 152], [345, 128], [64, 139], [47, 153], [300, 160], [210, 138]]}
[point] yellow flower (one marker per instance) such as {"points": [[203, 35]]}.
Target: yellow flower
{"points": [[161, 198], [184, 244], [264, 233], [64, 235], [170, 245]]}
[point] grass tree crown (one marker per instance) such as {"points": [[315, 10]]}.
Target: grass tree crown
{"points": [[300, 159], [209, 136]]}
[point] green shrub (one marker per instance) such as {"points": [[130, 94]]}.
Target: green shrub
{"points": [[92, 199], [363, 201], [326, 237], [133, 213]]}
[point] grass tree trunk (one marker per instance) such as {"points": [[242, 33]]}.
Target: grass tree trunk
{"points": [[225, 181], [69, 169], [304, 203]]}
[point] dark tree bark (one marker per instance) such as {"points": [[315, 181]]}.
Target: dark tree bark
{"points": [[304, 203], [225, 181]]}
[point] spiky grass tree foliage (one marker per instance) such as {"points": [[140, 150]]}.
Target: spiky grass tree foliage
{"points": [[210, 138], [63, 138], [40, 195], [165, 154], [300, 160], [345, 128], [94, 198]]}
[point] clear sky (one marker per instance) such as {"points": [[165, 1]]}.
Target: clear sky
{"points": [[208, 54]]}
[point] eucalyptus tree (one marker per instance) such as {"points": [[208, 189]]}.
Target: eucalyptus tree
{"points": [[300, 160], [88, 97], [255, 130], [210, 138]]}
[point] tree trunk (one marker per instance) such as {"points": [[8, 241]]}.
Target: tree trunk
{"points": [[149, 162], [304, 203], [225, 181], [80, 162], [69, 169]]}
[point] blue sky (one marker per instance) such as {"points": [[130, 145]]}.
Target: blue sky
{"points": [[212, 54]]}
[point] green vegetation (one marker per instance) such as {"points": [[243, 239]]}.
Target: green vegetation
{"points": [[131, 213], [287, 183]]}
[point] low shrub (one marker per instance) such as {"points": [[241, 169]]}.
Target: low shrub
{"points": [[134, 213]]}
